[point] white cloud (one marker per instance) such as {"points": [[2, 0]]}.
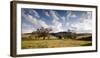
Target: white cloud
{"points": [[27, 28], [32, 20], [30, 17], [43, 24], [54, 15], [70, 14], [89, 14], [84, 25], [63, 18], [73, 16], [47, 14], [56, 26], [38, 22], [35, 13]]}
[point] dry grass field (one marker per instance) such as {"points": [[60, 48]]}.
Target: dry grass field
{"points": [[28, 44]]}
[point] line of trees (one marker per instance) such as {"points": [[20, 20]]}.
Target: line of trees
{"points": [[42, 32], [45, 32]]}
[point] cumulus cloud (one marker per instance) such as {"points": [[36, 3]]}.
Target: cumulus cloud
{"points": [[56, 26], [85, 24], [82, 28]]}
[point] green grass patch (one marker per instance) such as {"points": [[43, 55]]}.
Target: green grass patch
{"points": [[87, 44]]}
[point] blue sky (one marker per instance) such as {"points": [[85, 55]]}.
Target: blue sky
{"points": [[58, 20]]}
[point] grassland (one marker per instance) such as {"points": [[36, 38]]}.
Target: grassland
{"points": [[30, 43]]}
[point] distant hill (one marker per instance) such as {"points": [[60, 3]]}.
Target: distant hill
{"points": [[60, 34], [79, 34]]}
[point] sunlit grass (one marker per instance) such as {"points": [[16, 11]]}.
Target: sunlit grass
{"points": [[28, 44]]}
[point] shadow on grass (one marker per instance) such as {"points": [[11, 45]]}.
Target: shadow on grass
{"points": [[87, 44]]}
